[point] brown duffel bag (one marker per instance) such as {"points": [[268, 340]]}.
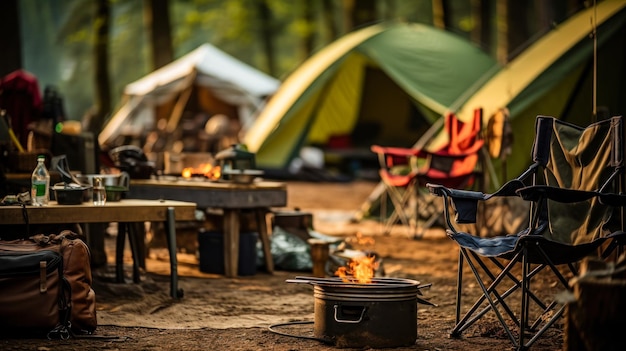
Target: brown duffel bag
{"points": [[76, 271]]}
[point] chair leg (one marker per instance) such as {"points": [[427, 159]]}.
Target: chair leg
{"points": [[529, 330], [524, 304], [428, 208], [403, 203], [496, 300], [400, 200], [459, 291], [384, 220], [487, 296]]}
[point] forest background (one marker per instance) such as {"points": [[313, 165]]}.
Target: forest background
{"points": [[90, 49]]}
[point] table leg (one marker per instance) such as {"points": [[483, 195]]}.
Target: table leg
{"points": [[261, 221], [231, 242], [95, 233], [139, 228], [119, 252], [170, 227], [133, 239]]}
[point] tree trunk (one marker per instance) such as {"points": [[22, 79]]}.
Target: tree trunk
{"points": [[329, 20], [308, 13], [157, 17], [267, 35], [363, 13], [101, 60], [11, 58], [517, 18], [502, 38], [441, 14], [481, 16]]}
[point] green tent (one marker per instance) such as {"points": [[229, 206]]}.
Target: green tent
{"points": [[384, 84], [555, 76]]}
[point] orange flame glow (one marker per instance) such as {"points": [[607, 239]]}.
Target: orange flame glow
{"points": [[206, 169], [359, 270]]}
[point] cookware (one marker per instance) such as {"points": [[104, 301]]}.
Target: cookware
{"points": [[119, 179], [69, 193], [115, 192], [379, 314]]}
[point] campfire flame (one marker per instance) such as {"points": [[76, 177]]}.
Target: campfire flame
{"points": [[359, 270], [206, 169]]}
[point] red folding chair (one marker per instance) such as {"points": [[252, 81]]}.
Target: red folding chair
{"points": [[405, 171]]}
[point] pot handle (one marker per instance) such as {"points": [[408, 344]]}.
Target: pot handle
{"points": [[124, 180], [363, 309]]}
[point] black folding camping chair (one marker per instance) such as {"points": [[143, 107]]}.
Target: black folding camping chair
{"points": [[574, 188]]}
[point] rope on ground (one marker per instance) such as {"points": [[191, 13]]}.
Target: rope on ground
{"points": [[273, 330]]}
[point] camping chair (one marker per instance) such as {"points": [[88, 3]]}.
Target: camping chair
{"points": [[403, 171], [572, 187]]}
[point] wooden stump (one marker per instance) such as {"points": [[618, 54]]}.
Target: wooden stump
{"points": [[595, 319]]}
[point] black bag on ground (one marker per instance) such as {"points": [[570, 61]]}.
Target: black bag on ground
{"points": [[34, 294], [75, 272]]}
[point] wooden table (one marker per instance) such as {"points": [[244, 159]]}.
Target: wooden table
{"points": [[122, 212], [231, 198]]}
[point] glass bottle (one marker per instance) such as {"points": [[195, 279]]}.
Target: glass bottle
{"points": [[99, 192], [40, 184]]}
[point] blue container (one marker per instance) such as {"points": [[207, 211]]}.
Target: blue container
{"points": [[211, 248]]}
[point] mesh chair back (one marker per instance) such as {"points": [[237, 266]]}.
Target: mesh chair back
{"points": [[583, 159]]}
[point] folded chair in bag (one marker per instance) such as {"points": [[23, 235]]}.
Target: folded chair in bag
{"points": [[576, 176], [404, 170]]}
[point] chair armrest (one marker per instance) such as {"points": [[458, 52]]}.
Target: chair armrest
{"points": [[538, 192], [466, 201], [611, 199], [508, 189], [466, 152], [439, 190], [395, 151]]}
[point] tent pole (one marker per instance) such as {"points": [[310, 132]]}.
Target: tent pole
{"points": [[177, 111], [595, 63]]}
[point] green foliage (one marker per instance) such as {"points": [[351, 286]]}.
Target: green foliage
{"points": [[58, 36]]}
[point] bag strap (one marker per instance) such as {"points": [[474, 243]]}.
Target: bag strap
{"points": [[25, 217], [63, 330], [45, 240]]}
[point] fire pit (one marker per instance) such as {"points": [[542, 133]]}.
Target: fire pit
{"points": [[379, 314]]}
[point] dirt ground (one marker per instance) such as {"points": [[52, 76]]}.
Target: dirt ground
{"points": [[246, 313]]}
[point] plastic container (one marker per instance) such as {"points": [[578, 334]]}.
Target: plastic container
{"points": [[211, 249], [68, 195]]}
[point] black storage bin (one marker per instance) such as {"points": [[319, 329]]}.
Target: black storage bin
{"points": [[211, 248]]}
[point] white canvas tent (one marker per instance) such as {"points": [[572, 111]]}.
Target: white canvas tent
{"points": [[227, 80]]}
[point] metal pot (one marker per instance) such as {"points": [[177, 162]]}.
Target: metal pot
{"points": [[380, 314], [120, 179]]}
